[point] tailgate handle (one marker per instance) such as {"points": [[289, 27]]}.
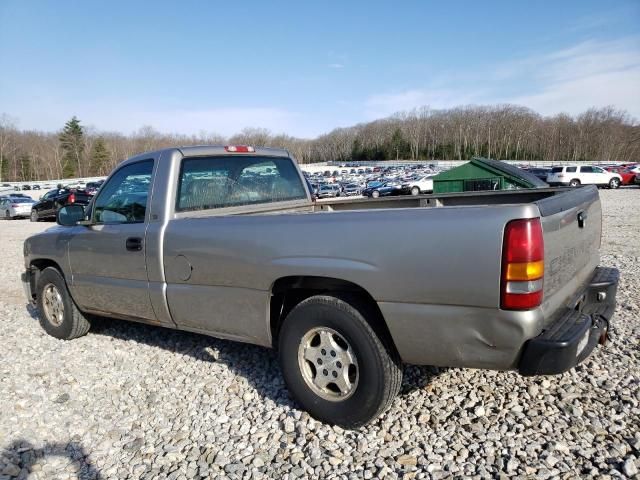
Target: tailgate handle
{"points": [[582, 217]]}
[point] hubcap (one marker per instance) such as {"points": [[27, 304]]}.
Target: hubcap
{"points": [[53, 305], [328, 364]]}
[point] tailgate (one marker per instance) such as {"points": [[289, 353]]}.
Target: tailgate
{"points": [[571, 225]]}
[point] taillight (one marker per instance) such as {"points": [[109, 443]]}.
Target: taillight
{"points": [[522, 265], [239, 149], [72, 198], [14, 205]]}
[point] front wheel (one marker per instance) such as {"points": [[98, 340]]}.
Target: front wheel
{"points": [[7, 215], [614, 183], [375, 194], [334, 363], [34, 216], [415, 191], [57, 312]]}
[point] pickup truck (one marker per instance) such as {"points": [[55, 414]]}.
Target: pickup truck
{"points": [[227, 242]]}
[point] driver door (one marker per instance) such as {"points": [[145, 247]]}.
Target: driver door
{"points": [[108, 257]]}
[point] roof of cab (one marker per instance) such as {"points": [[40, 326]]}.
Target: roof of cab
{"points": [[204, 151]]}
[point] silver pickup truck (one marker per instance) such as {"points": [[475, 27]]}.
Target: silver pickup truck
{"points": [[228, 242]]}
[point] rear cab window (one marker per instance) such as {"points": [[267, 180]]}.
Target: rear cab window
{"points": [[216, 182]]}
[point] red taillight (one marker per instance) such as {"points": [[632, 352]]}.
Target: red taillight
{"points": [[14, 205], [72, 198], [522, 265], [239, 149]]}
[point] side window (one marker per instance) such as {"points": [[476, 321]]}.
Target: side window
{"points": [[229, 181], [586, 169], [571, 169], [124, 198], [599, 170]]}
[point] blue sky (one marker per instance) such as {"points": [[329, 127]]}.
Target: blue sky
{"points": [[304, 68]]}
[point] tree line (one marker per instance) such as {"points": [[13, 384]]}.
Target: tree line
{"points": [[501, 132]]}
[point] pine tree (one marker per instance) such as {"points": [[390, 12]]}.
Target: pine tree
{"points": [[99, 157], [72, 143]]}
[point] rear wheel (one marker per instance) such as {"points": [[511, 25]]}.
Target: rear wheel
{"points": [[334, 363], [7, 215], [574, 183], [415, 191], [375, 194], [614, 183], [57, 312], [34, 216]]}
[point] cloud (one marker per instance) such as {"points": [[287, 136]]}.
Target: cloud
{"points": [[336, 65], [589, 74], [570, 80]]}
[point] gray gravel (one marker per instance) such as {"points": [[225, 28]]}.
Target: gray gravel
{"points": [[131, 401]]}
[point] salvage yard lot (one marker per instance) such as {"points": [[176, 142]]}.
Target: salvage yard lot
{"points": [[135, 401]]}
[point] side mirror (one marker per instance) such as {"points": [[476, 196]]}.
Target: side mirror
{"points": [[70, 215]]}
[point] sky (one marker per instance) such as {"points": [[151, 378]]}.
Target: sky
{"points": [[305, 68]]}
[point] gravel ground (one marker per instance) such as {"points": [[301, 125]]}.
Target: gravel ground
{"points": [[131, 401]]}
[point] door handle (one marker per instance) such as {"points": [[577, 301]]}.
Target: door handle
{"points": [[134, 244]]}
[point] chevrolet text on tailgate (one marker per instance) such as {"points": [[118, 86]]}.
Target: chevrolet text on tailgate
{"points": [[227, 241]]}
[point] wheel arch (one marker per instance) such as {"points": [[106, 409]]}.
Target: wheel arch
{"points": [[37, 266], [287, 292]]}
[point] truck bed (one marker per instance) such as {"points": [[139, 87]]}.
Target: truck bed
{"points": [[443, 199]]}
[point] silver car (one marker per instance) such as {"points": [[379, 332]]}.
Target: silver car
{"points": [[16, 207]]}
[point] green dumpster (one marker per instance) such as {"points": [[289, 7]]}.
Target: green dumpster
{"points": [[484, 174]]}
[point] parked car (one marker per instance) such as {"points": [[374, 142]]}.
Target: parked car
{"points": [[576, 175], [220, 252], [351, 189], [326, 191], [15, 207], [36, 187], [92, 187], [53, 200], [628, 176], [381, 189], [26, 187], [421, 185]]}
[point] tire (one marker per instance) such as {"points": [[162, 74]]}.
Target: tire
{"points": [[574, 183], [7, 215], [375, 194], [373, 376], [614, 183], [415, 191], [34, 216], [66, 322]]}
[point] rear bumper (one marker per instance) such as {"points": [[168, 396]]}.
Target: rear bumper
{"points": [[576, 332]]}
